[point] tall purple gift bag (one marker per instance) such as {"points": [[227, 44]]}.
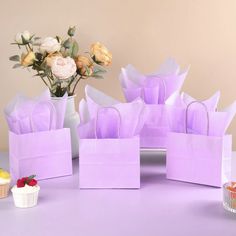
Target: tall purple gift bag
{"points": [[47, 154], [197, 158], [108, 161], [154, 90]]}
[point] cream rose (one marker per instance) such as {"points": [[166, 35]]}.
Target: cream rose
{"points": [[50, 45], [26, 35], [63, 68], [100, 54]]}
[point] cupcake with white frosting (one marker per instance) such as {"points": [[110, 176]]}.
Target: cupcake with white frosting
{"points": [[25, 192], [5, 180]]}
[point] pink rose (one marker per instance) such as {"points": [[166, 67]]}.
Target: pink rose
{"points": [[63, 68]]}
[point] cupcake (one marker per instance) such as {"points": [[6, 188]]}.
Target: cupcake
{"points": [[5, 180], [25, 192]]}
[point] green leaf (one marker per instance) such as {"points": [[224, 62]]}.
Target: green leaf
{"points": [[74, 49], [99, 69], [71, 31], [67, 43], [16, 66], [32, 36], [58, 39], [96, 76], [87, 70], [37, 38], [42, 74], [31, 176], [36, 43], [24, 41], [14, 58]]}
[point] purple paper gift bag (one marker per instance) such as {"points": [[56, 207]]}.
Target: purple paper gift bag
{"points": [[154, 90], [156, 127], [199, 158], [106, 160], [47, 154]]}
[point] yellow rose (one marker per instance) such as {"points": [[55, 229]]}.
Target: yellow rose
{"points": [[27, 59], [50, 57], [84, 65], [100, 54]]}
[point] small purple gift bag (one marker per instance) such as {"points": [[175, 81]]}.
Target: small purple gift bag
{"points": [[39, 147], [195, 157], [107, 160], [154, 90]]}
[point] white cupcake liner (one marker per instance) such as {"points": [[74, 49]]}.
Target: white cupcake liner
{"points": [[25, 200]]}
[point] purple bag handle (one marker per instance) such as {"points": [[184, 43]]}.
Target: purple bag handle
{"points": [[52, 111], [186, 116], [105, 108], [164, 85]]}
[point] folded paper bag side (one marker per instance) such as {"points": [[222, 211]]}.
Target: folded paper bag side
{"points": [[197, 158], [118, 147], [48, 154], [109, 163]]}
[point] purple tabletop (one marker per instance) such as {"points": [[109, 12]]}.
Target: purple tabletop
{"points": [[160, 207]]}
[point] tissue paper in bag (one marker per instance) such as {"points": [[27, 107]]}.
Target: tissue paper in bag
{"points": [[154, 89], [202, 153]]}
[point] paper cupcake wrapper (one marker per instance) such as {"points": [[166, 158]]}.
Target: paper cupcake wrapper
{"points": [[4, 190], [25, 200]]}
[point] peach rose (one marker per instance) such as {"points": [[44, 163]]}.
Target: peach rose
{"points": [[84, 65], [100, 54]]}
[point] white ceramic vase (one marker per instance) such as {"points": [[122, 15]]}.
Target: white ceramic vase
{"points": [[71, 121]]}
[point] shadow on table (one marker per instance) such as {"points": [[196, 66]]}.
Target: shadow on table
{"points": [[152, 159], [152, 168], [212, 209]]}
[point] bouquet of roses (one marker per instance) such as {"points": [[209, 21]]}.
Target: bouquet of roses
{"points": [[57, 61]]}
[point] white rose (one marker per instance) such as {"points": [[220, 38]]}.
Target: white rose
{"points": [[63, 68], [50, 45], [26, 35]]}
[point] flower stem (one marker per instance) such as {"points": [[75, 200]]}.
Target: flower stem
{"points": [[45, 82], [31, 49], [26, 48], [76, 84]]}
